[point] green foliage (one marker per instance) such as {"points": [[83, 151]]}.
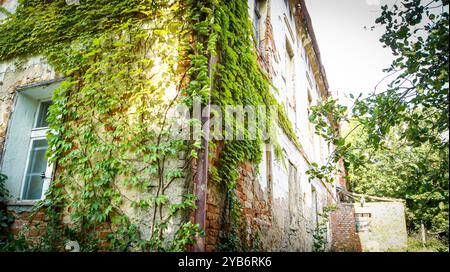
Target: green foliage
{"points": [[395, 145], [433, 243], [6, 219], [239, 80], [234, 239], [402, 145], [185, 236], [320, 233], [109, 126], [327, 117], [417, 34], [417, 174]]}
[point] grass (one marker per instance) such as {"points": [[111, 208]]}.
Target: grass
{"points": [[433, 244]]}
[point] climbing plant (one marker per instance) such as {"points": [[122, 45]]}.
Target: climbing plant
{"points": [[320, 233], [240, 81], [110, 129], [6, 219]]}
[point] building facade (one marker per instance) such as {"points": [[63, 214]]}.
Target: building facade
{"points": [[280, 204]]}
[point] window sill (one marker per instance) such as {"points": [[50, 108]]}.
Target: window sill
{"points": [[20, 206], [26, 203]]}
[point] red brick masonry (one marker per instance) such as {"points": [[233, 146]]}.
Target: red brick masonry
{"points": [[344, 235]]}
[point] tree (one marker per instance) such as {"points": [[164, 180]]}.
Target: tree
{"points": [[417, 34], [397, 144], [405, 128], [398, 170]]}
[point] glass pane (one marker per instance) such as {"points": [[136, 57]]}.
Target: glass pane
{"points": [[36, 166], [43, 114]]}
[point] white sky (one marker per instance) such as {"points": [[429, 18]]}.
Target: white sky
{"points": [[353, 57]]}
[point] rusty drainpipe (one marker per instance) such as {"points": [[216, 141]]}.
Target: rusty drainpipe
{"points": [[201, 177]]}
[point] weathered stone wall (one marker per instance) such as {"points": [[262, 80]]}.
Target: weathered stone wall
{"points": [[280, 211], [386, 226], [280, 208]]}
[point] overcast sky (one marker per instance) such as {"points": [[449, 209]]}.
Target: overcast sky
{"points": [[353, 57]]}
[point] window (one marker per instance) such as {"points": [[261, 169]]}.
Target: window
{"points": [[257, 18], [290, 71], [290, 84], [36, 180], [293, 193], [266, 172], [310, 125], [362, 221], [24, 160], [257, 21]]}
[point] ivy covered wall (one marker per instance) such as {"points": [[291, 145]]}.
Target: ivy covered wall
{"points": [[122, 181]]}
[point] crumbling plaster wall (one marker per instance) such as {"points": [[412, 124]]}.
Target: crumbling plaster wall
{"points": [[386, 229], [35, 71], [292, 212]]}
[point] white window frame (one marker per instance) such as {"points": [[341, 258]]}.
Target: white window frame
{"points": [[22, 132], [37, 133]]}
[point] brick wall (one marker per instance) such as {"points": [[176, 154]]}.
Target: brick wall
{"points": [[382, 227], [214, 214], [255, 208], [344, 236], [31, 227]]}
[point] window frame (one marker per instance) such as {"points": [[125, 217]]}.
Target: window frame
{"points": [[37, 133], [257, 22], [16, 148]]}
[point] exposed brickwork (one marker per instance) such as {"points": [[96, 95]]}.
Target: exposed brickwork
{"points": [[383, 227], [214, 215], [266, 49], [281, 228], [255, 209], [344, 236], [256, 212], [33, 226], [28, 225]]}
